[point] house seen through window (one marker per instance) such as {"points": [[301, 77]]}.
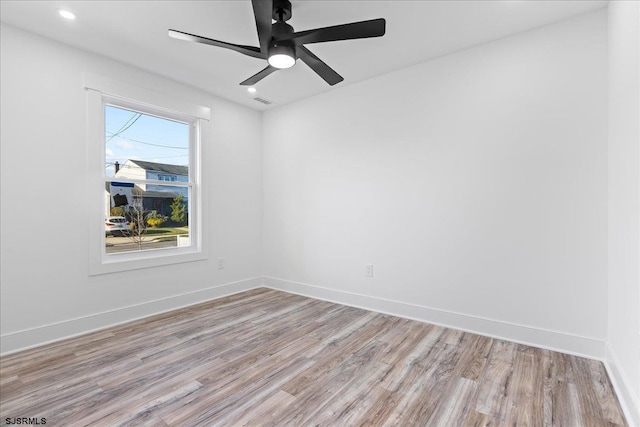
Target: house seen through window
{"points": [[147, 181]]}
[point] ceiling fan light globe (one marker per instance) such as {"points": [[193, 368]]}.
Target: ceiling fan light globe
{"points": [[281, 60]]}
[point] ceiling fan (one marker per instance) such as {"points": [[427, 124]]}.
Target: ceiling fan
{"points": [[280, 45]]}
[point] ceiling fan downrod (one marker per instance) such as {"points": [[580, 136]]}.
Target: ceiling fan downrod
{"points": [[281, 10]]}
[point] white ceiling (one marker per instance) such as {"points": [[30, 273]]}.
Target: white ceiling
{"points": [[135, 32]]}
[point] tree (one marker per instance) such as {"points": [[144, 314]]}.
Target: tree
{"points": [[178, 210], [137, 215]]}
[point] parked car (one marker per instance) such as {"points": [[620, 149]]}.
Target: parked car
{"points": [[116, 226]]}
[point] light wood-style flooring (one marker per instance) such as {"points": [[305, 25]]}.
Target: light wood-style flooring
{"points": [[269, 358]]}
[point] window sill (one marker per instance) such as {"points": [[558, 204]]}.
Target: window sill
{"points": [[115, 263]]}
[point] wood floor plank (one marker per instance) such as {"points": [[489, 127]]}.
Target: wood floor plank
{"points": [[477, 419], [141, 412], [525, 397], [270, 358], [405, 366], [428, 376], [610, 406], [456, 405], [496, 380], [262, 413], [379, 410], [475, 358], [334, 354], [9, 386], [547, 386], [254, 386], [350, 388]]}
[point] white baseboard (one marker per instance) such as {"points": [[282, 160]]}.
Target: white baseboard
{"points": [[33, 337], [628, 399], [553, 340]]}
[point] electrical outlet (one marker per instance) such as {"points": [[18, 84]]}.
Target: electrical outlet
{"points": [[368, 270], [220, 263]]}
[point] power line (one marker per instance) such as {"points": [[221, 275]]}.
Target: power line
{"points": [[147, 143], [155, 157], [125, 127]]}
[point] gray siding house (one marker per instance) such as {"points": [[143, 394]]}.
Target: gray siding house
{"points": [[155, 197]]}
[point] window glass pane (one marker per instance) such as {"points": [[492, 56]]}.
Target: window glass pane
{"points": [[154, 219], [143, 146], [144, 215]]}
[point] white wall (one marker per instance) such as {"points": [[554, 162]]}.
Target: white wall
{"points": [[623, 347], [44, 271], [475, 183]]}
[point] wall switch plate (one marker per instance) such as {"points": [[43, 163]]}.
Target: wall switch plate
{"points": [[368, 270], [220, 263]]}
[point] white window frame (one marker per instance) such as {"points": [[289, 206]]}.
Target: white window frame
{"points": [[102, 91]]}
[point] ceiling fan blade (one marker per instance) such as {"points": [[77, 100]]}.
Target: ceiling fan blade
{"points": [[262, 10], [354, 30], [245, 50], [259, 76], [317, 65]]}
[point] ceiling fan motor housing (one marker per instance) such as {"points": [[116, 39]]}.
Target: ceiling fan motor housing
{"points": [[282, 47]]}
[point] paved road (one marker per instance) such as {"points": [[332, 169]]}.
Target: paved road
{"points": [[125, 244]]}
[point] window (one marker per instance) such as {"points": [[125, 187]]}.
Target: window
{"points": [[147, 181], [140, 151], [170, 178]]}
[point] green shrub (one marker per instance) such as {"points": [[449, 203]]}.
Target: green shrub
{"points": [[117, 211]]}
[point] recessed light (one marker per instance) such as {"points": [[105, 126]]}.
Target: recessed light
{"points": [[67, 14], [251, 89]]}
